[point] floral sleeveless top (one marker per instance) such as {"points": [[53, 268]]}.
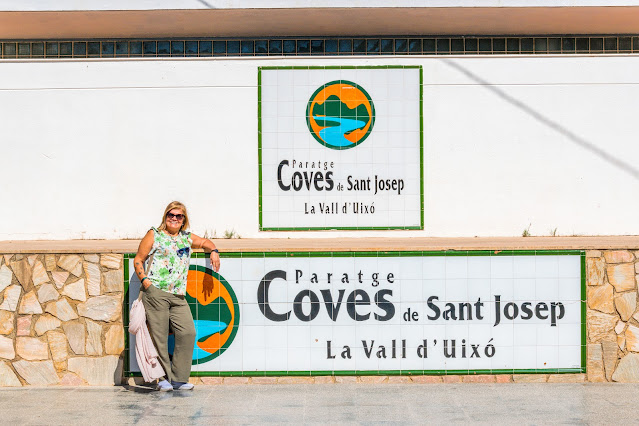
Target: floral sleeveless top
{"points": [[171, 259]]}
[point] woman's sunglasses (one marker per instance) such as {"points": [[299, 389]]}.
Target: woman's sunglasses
{"points": [[178, 216]]}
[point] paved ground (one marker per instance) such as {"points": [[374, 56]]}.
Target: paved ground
{"points": [[340, 404]]}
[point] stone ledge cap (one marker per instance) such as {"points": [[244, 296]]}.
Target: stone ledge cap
{"points": [[628, 242]]}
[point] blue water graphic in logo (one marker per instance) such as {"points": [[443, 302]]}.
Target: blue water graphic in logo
{"points": [[203, 329], [334, 135]]}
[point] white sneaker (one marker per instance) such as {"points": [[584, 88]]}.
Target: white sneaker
{"points": [[164, 386], [182, 386]]}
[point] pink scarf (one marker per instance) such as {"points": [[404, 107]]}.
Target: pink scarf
{"points": [[145, 352]]}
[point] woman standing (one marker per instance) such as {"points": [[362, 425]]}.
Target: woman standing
{"points": [[168, 249]]}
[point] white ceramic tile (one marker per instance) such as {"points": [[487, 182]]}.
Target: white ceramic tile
{"points": [[228, 362], [320, 360], [478, 267], [480, 333], [299, 359], [503, 359], [344, 334], [434, 268], [547, 266], [525, 334], [344, 265], [456, 267], [456, 331], [567, 336], [524, 289], [547, 289], [213, 365], [457, 364], [254, 360], [572, 313], [480, 363], [389, 332], [503, 334], [253, 339], [456, 290], [276, 359], [250, 315], [524, 266], [411, 290], [284, 92], [479, 289], [569, 266], [364, 362], [550, 336], [525, 357], [547, 357], [413, 333], [501, 267], [569, 357], [569, 289], [319, 335], [269, 108], [502, 287]]}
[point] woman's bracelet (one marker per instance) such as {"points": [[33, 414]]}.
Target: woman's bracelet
{"points": [[215, 250], [142, 280]]}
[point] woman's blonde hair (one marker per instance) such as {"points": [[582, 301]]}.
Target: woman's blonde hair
{"points": [[175, 205]]}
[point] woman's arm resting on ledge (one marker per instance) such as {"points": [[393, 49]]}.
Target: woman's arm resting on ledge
{"points": [[209, 247]]}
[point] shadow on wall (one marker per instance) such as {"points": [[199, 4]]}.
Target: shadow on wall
{"points": [[547, 121]]}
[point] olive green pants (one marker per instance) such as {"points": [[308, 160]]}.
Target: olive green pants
{"points": [[164, 310]]}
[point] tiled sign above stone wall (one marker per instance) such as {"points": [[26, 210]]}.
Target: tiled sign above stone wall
{"points": [[382, 313]]}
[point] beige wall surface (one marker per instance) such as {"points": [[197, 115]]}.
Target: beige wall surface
{"points": [[321, 21]]}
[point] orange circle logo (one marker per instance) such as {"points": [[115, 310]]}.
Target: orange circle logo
{"points": [[215, 312], [340, 114]]}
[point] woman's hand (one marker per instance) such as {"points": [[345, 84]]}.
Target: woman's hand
{"points": [[215, 261]]}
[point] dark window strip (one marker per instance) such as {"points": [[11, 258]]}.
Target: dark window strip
{"points": [[435, 45]]}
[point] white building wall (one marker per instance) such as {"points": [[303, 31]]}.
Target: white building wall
{"points": [[96, 149]]}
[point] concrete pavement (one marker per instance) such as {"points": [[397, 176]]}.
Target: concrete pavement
{"points": [[330, 403]]}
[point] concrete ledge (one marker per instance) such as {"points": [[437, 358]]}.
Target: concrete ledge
{"points": [[626, 242]]}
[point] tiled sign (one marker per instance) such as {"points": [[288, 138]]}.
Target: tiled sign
{"points": [[386, 313], [340, 148]]}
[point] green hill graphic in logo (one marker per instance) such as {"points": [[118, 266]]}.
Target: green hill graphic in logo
{"points": [[340, 114]]}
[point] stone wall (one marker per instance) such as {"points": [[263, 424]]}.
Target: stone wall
{"points": [[613, 318], [61, 319], [61, 323]]}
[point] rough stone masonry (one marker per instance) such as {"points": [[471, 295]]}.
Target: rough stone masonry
{"points": [[61, 324], [61, 319]]}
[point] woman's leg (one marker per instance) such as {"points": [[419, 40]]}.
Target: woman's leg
{"points": [[157, 305], [184, 331]]}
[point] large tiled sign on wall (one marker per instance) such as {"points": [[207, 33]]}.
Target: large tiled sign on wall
{"points": [[340, 148], [386, 313]]}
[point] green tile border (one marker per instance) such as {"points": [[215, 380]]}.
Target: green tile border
{"points": [[341, 228], [584, 318], [346, 253], [259, 144]]}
